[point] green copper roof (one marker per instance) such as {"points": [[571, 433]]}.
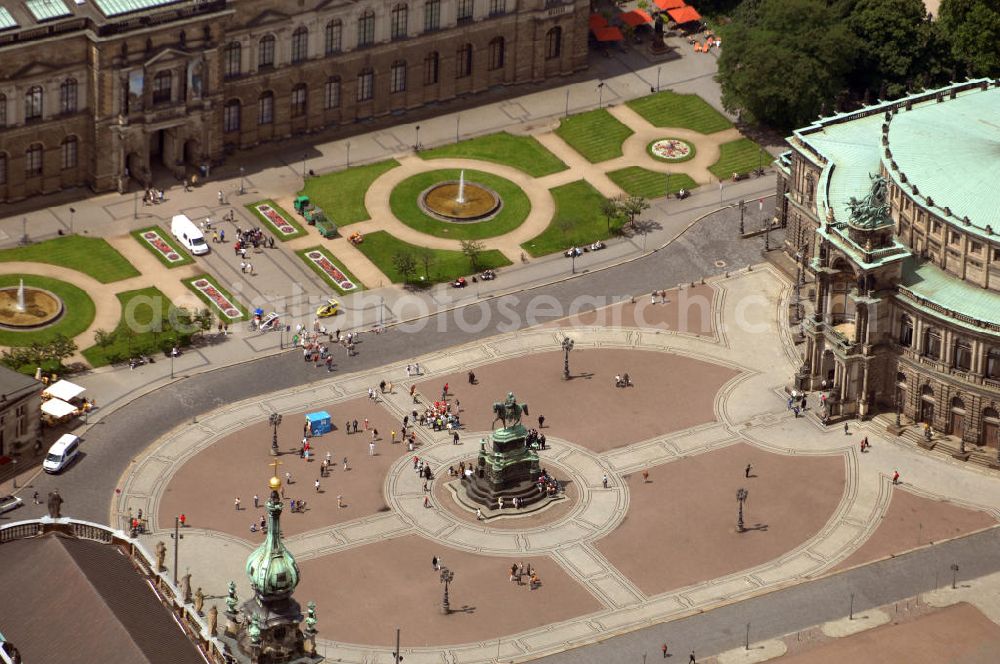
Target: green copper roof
{"points": [[951, 151], [119, 7], [933, 284], [272, 569], [44, 10], [6, 20]]}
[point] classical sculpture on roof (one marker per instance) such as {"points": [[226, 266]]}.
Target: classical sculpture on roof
{"points": [[872, 211]]}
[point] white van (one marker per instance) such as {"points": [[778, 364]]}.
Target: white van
{"points": [[184, 230], [62, 452]]}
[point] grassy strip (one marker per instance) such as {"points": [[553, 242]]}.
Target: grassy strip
{"points": [[342, 194], [290, 218], [637, 181], [185, 256], [144, 328], [669, 109], [323, 275], [445, 265], [524, 153], [403, 201], [78, 314], [578, 220], [597, 135], [91, 255], [211, 305], [739, 156]]}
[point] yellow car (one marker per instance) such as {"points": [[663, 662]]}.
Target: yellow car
{"points": [[331, 308]]}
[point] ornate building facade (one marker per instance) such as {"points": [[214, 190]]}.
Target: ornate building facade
{"points": [[894, 210], [104, 93]]}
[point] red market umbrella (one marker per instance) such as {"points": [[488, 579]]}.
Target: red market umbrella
{"points": [[636, 17], [597, 21], [669, 4], [684, 15], [608, 33]]}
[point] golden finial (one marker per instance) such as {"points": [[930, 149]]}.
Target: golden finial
{"points": [[275, 482]]}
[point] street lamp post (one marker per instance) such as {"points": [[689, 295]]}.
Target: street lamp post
{"points": [[243, 188], [458, 121], [176, 536], [666, 188], [798, 285], [172, 360], [743, 207], [741, 496], [348, 154], [657, 79], [567, 102], [572, 258], [275, 421], [567, 346], [447, 576], [416, 144], [954, 576], [135, 205], [303, 167], [72, 211], [396, 657], [600, 95]]}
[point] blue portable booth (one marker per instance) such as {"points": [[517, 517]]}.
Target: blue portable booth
{"points": [[319, 423]]}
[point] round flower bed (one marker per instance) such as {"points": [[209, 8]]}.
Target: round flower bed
{"points": [[671, 150]]}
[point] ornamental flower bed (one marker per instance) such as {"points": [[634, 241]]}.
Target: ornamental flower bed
{"points": [[671, 149], [331, 270], [154, 240], [221, 302], [276, 219]]}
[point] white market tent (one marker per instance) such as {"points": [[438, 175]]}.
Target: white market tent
{"points": [[64, 390], [58, 408]]}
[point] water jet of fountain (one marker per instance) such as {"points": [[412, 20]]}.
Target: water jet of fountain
{"points": [[461, 188], [20, 298]]}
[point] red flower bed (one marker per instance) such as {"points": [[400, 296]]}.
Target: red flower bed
{"points": [[332, 270], [217, 298], [154, 240], [279, 222]]}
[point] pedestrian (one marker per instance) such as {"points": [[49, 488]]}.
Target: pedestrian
{"points": [[664, 649], [392, 437], [846, 430], [183, 519], [256, 501], [220, 197], [434, 562], [472, 378], [345, 463], [427, 501], [895, 477], [340, 501], [409, 370], [795, 411], [371, 448], [243, 267], [746, 471], [416, 368], [222, 235], [355, 423], [237, 503], [541, 421], [366, 424], [374, 434], [316, 484], [454, 437], [691, 659], [479, 514], [35, 499], [381, 386], [604, 480], [645, 476]]}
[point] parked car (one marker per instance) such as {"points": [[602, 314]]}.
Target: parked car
{"points": [[8, 503], [62, 453]]}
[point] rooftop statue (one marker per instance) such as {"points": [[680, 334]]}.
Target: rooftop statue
{"points": [[872, 211]]}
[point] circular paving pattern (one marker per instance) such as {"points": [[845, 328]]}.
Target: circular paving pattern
{"points": [[672, 150]]}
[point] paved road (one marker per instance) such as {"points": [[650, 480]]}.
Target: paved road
{"points": [[799, 607]]}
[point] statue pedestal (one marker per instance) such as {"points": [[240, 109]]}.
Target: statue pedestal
{"points": [[509, 470]]}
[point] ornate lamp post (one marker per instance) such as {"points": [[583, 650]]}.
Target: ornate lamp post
{"points": [[600, 95], [416, 144], [567, 346], [741, 496], [743, 207], [243, 189], [275, 421], [447, 576]]}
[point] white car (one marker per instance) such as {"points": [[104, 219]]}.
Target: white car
{"points": [[8, 503], [62, 453]]}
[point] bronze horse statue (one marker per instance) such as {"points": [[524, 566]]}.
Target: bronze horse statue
{"points": [[508, 411]]}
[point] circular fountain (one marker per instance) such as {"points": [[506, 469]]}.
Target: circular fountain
{"points": [[28, 307], [460, 201]]}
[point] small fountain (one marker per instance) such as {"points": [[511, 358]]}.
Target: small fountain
{"points": [[19, 307], [460, 201], [28, 307]]}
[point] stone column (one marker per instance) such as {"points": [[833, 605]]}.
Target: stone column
{"points": [[821, 289]]}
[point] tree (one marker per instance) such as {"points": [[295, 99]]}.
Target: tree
{"points": [[473, 249], [427, 259], [103, 338], [59, 349], [203, 320], [612, 210], [633, 207], [405, 264], [784, 61], [972, 30]]}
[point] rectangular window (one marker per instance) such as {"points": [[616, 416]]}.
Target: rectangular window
{"points": [[463, 61], [3, 111], [69, 147], [932, 348], [265, 109], [431, 69], [231, 118], [935, 226], [366, 29], [498, 7], [334, 35], [432, 15], [954, 237], [465, 10], [331, 99], [265, 56], [298, 101], [399, 20], [233, 60], [22, 420], [963, 356], [975, 247], [366, 81], [33, 104], [3, 169], [300, 45], [33, 161], [397, 80], [162, 84], [993, 364], [67, 97]]}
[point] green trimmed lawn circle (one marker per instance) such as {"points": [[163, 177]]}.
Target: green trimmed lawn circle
{"points": [[78, 311], [404, 202], [671, 160]]}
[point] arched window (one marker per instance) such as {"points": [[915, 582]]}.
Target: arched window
{"points": [[991, 413], [927, 392], [957, 403], [299, 100], [67, 96], [331, 96], [33, 103], [397, 76], [496, 53], [963, 355], [432, 15], [162, 87], [265, 108], [334, 36], [366, 85], [366, 28], [498, 7], [810, 188], [905, 331], [3, 168], [431, 61], [33, 160], [932, 344], [463, 61], [300, 44], [69, 152], [232, 59], [3, 111], [398, 22], [231, 116], [553, 43], [465, 8], [265, 52]]}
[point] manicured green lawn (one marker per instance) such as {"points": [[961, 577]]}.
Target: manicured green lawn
{"points": [[143, 328], [165, 236], [341, 195], [404, 197], [210, 304], [669, 109], [445, 265], [637, 181], [578, 220], [522, 152], [77, 316], [340, 266], [739, 156], [90, 255], [597, 135], [289, 217]]}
